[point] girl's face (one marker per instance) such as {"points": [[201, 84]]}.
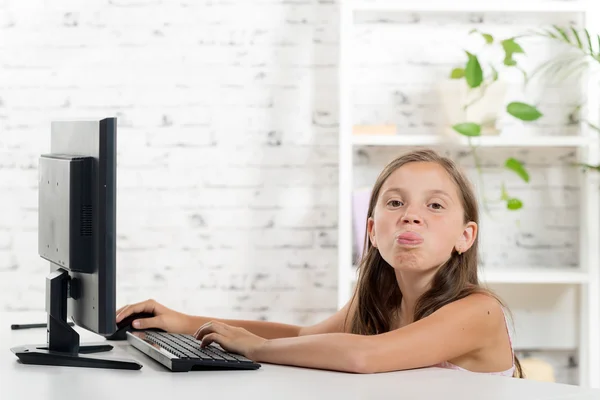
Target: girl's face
{"points": [[418, 219]]}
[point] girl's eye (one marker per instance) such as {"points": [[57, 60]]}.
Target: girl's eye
{"points": [[395, 203], [436, 206]]}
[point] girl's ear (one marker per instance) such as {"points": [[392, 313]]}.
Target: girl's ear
{"points": [[467, 237], [371, 231]]}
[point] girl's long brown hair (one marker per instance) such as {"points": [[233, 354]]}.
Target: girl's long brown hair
{"points": [[378, 293]]}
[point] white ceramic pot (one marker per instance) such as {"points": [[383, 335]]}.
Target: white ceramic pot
{"points": [[486, 107]]}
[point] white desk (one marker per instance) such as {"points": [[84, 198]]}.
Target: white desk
{"points": [[153, 381]]}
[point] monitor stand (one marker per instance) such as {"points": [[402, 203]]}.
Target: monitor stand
{"points": [[63, 348]]}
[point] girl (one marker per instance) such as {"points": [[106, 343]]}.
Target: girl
{"points": [[418, 301]]}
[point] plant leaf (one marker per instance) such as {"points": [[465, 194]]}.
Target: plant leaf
{"points": [[550, 33], [589, 166], [553, 66], [579, 45], [523, 111], [504, 193], [457, 73], [511, 47], [594, 127], [525, 77], [516, 166], [581, 41], [514, 204], [473, 71], [509, 62], [468, 129], [558, 70], [494, 73], [575, 71], [489, 39], [562, 33], [589, 41]]}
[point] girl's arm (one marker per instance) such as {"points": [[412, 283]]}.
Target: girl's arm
{"points": [[275, 330], [457, 329], [176, 322]]}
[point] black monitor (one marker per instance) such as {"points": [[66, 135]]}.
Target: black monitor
{"points": [[77, 235]]}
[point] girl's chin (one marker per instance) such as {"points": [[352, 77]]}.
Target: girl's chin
{"points": [[407, 261]]}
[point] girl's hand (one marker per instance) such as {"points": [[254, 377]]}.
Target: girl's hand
{"points": [[232, 339], [164, 318]]}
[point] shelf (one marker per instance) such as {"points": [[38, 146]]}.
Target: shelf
{"points": [[472, 6], [482, 141], [534, 275], [526, 275]]}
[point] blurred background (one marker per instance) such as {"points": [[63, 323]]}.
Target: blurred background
{"points": [[233, 119]]}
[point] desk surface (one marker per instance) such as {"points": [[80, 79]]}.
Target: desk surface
{"points": [[153, 381]]}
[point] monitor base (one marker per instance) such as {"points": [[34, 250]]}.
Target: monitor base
{"points": [[63, 348], [40, 355]]}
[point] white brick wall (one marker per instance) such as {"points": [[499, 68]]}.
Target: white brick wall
{"points": [[227, 201]]}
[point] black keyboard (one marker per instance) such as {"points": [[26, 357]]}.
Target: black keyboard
{"points": [[182, 353]]}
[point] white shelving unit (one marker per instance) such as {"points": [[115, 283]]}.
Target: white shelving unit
{"points": [[470, 6], [526, 275], [587, 277], [483, 141]]}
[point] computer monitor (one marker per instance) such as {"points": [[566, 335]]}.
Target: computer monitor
{"points": [[77, 235]]}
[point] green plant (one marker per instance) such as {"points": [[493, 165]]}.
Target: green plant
{"points": [[584, 49], [479, 78], [582, 54]]}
